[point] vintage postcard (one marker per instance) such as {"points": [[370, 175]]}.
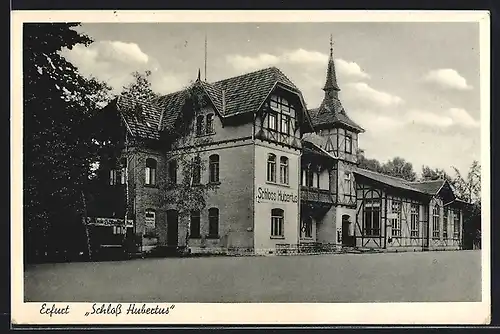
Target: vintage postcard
{"points": [[256, 167]]}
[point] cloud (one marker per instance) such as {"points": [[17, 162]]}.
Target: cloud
{"points": [[298, 56], [251, 63], [114, 61], [450, 117], [362, 92], [447, 78], [350, 69], [301, 56]]}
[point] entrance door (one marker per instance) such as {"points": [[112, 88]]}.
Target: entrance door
{"points": [[172, 228], [347, 239]]}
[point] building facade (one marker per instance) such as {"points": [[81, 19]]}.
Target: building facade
{"points": [[273, 176]]}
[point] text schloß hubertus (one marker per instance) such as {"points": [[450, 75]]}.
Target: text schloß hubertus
{"points": [[132, 309]]}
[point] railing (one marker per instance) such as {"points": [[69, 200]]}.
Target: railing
{"points": [[316, 195]]}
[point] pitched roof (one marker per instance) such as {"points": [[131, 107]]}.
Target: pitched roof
{"points": [[331, 112], [318, 141], [429, 187], [245, 93], [242, 94], [141, 117], [392, 181]]}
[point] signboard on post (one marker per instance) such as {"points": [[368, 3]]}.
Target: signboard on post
{"points": [[101, 221]]}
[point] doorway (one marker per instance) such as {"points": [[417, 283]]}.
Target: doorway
{"points": [[347, 238], [172, 228]]}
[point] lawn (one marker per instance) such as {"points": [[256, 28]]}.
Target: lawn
{"points": [[392, 277]]}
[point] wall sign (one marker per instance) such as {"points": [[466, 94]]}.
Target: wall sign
{"points": [[264, 194]]}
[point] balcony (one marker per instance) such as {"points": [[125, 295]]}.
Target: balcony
{"points": [[316, 195]]}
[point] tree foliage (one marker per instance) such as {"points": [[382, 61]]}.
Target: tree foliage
{"points": [[397, 167], [58, 107], [140, 88]]}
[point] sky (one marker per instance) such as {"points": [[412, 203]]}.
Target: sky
{"points": [[414, 87]]}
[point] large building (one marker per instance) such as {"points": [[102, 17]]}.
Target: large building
{"points": [[276, 177]]}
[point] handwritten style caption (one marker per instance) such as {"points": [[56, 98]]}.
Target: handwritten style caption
{"points": [[109, 309]]}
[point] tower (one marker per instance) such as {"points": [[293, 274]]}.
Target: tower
{"points": [[340, 135]]}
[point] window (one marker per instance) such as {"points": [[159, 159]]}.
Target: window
{"points": [[272, 121], [456, 224], [271, 167], [306, 230], [347, 183], [210, 124], [396, 221], [172, 171], [213, 223], [285, 124], [150, 171], [348, 144], [213, 168], [414, 223], [372, 218], [197, 170], [123, 170], [435, 222], [150, 224], [445, 223], [277, 218], [114, 177], [194, 227], [284, 170], [199, 125], [117, 175]]}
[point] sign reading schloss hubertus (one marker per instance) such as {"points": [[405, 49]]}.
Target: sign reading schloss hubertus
{"points": [[277, 196]]}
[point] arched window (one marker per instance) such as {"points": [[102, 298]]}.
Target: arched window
{"points": [[210, 124], [213, 223], [271, 167], [435, 222], [194, 230], [150, 172], [284, 170], [277, 222], [213, 168], [196, 170], [123, 170], [150, 224], [118, 173], [199, 125]]}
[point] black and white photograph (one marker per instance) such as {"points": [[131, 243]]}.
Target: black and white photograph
{"points": [[310, 167]]}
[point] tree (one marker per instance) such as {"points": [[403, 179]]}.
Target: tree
{"points": [[399, 167], [140, 88], [468, 188], [58, 152], [429, 174], [370, 164]]}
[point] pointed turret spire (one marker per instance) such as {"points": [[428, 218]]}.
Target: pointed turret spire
{"points": [[331, 87], [199, 75]]}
